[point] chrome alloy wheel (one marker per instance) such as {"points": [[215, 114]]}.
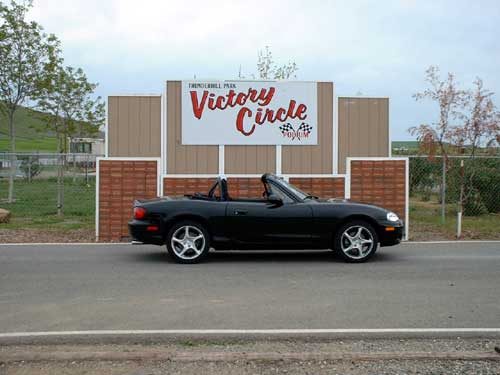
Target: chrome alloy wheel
{"points": [[357, 242], [188, 242]]}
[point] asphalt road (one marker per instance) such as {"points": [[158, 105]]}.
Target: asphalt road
{"points": [[106, 287]]}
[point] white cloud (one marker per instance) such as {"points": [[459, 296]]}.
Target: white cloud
{"points": [[377, 47], [215, 30]]}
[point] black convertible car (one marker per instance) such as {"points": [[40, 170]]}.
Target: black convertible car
{"points": [[284, 218]]}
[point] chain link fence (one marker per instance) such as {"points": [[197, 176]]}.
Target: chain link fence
{"points": [[54, 188], [441, 188], [49, 187]]}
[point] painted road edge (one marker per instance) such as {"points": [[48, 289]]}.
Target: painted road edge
{"points": [[252, 332]]}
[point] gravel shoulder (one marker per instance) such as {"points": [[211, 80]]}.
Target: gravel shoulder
{"points": [[247, 365], [46, 236]]}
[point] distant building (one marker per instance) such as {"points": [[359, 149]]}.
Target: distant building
{"points": [[93, 146], [400, 149]]}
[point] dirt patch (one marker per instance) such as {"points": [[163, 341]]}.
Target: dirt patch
{"points": [[428, 232], [431, 232], [43, 235]]}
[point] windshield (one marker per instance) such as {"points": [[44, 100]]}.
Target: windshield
{"points": [[299, 193]]}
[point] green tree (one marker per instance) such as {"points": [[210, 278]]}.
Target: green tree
{"points": [[70, 110], [451, 100], [68, 105], [27, 56]]}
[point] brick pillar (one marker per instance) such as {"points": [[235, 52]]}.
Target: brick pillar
{"points": [[120, 183], [380, 182]]}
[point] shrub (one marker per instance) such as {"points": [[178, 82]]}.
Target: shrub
{"points": [[424, 175], [31, 167], [474, 206]]}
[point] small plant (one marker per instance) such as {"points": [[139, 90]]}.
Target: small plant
{"points": [[30, 167]]}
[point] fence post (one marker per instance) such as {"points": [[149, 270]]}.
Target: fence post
{"points": [[461, 201], [443, 191], [29, 168], [60, 185], [12, 176], [86, 169], [74, 168]]}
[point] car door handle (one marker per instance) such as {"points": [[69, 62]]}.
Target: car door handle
{"points": [[240, 212]]}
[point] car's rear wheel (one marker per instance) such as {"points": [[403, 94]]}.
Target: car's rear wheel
{"points": [[356, 241], [188, 242]]}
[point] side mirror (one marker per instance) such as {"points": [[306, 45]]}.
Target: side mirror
{"points": [[274, 199]]}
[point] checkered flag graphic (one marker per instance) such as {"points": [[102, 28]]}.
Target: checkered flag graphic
{"points": [[286, 128], [306, 128]]}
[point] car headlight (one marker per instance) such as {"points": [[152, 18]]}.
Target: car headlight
{"points": [[391, 216]]}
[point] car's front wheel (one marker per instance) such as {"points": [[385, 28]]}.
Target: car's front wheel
{"points": [[356, 241], [188, 242]]}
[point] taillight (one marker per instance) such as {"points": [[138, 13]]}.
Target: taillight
{"points": [[139, 213]]}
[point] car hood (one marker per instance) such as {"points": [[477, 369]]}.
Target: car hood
{"points": [[342, 201], [334, 200]]}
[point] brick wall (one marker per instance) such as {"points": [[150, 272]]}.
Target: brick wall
{"points": [[251, 187], [380, 182], [180, 186], [120, 183], [240, 187], [323, 187]]}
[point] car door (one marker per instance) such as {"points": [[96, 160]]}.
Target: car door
{"points": [[262, 224]]}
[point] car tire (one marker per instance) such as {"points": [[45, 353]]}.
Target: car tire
{"points": [[188, 242], [355, 241]]}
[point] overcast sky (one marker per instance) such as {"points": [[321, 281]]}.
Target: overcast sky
{"points": [[378, 48]]}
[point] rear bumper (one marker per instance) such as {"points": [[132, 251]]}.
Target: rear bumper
{"points": [[389, 236], [139, 232]]}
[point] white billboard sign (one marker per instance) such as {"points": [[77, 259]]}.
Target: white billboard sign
{"points": [[249, 113]]}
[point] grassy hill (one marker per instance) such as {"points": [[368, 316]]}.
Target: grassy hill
{"points": [[31, 133]]}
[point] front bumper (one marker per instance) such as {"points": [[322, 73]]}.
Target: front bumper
{"points": [[391, 233], [139, 232]]}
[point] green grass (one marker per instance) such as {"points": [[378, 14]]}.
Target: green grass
{"points": [[36, 204], [30, 145], [425, 223]]}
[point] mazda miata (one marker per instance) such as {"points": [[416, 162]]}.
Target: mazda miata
{"points": [[283, 218]]}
